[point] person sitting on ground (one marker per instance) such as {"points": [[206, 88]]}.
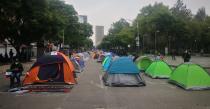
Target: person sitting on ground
{"points": [[17, 70]]}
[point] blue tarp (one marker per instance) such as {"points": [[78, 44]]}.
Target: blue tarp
{"points": [[107, 63], [123, 65]]}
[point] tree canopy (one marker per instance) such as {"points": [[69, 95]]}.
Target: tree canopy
{"points": [[28, 21], [175, 28]]}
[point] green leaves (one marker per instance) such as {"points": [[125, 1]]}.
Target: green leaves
{"points": [[177, 29], [120, 35], [27, 21]]}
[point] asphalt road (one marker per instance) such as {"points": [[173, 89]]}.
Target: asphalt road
{"points": [[90, 93]]}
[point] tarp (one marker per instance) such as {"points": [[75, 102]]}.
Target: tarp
{"points": [[159, 69], [143, 62], [123, 65], [190, 76]]}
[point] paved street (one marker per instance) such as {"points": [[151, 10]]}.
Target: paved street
{"points": [[90, 93]]}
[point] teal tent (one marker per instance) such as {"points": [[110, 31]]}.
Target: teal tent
{"points": [[123, 72], [106, 63]]}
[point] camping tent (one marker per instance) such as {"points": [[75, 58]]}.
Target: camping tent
{"points": [[143, 62], [190, 76], [106, 63], [159, 69], [86, 56], [53, 68], [123, 72], [95, 55], [78, 68], [100, 58]]}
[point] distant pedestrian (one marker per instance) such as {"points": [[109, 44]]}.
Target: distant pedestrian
{"points": [[135, 57], [1, 58], [186, 56], [6, 58], [173, 54], [17, 70], [11, 55]]}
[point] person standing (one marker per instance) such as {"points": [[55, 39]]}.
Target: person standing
{"points": [[17, 70], [186, 56], [11, 55], [173, 54]]}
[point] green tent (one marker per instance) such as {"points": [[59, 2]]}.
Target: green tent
{"points": [[191, 77], [143, 62], [159, 69]]}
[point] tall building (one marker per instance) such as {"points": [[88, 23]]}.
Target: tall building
{"points": [[82, 18], [99, 34]]}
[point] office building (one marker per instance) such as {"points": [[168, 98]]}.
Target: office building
{"points": [[82, 19], [99, 34]]}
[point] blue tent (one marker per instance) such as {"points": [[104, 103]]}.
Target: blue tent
{"points": [[77, 66], [123, 65], [107, 63], [123, 72]]}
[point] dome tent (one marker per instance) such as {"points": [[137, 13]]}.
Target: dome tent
{"points": [[159, 69], [123, 72], [190, 77], [51, 68], [106, 63], [143, 62]]}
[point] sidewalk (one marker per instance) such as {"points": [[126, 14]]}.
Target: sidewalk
{"points": [[202, 61]]}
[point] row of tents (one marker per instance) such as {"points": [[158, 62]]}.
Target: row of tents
{"points": [[56, 67], [124, 72]]}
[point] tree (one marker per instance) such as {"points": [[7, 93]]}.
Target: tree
{"points": [[201, 14], [153, 18], [22, 19], [119, 36], [118, 26], [180, 10], [24, 22]]}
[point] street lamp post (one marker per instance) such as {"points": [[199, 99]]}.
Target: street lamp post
{"points": [[137, 39], [155, 39]]}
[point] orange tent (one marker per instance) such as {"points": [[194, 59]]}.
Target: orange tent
{"points": [[51, 68]]}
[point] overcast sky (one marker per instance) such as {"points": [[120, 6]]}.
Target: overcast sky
{"points": [[105, 12]]}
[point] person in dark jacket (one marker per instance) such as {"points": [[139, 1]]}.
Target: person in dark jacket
{"points": [[173, 54], [135, 57], [186, 56], [17, 70], [11, 55]]}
